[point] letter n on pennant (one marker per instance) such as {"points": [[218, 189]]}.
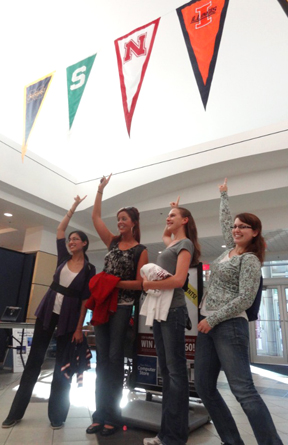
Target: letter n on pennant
{"points": [[133, 53], [202, 23]]}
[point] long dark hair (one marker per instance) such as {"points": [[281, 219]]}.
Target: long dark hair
{"points": [[83, 238], [134, 214], [191, 233], [257, 245]]}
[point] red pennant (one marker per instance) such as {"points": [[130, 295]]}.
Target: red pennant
{"points": [[133, 53]]}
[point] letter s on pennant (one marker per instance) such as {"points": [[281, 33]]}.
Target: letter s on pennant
{"points": [[78, 76]]}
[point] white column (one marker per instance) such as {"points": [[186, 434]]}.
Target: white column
{"points": [[38, 239]]}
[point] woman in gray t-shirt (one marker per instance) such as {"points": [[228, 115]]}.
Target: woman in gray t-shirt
{"points": [[182, 250]]}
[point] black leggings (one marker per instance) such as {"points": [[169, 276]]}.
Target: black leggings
{"points": [[59, 402]]}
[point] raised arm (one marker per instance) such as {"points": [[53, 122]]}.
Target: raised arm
{"points": [[167, 235], [225, 217], [99, 225], [65, 221]]}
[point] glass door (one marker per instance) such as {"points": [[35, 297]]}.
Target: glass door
{"points": [[269, 334]]}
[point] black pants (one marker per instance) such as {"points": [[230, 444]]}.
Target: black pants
{"points": [[59, 402]]}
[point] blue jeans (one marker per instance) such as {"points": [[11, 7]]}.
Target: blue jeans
{"points": [[59, 401], [110, 340], [169, 338], [226, 346]]}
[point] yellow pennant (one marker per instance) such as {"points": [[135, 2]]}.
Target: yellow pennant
{"points": [[34, 95]]}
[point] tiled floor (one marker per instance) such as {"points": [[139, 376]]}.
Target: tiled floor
{"points": [[35, 428]]}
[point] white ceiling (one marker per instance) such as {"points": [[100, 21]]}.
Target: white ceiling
{"points": [[257, 184], [247, 92], [176, 147]]}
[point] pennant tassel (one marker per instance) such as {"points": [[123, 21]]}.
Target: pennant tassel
{"points": [[23, 151]]}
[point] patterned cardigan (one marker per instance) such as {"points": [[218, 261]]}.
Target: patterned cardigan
{"points": [[233, 284]]}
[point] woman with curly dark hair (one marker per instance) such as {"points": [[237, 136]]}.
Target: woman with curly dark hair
{"points": [[124, 260]]}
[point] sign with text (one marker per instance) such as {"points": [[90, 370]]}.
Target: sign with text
{"points": [[147, 370]]}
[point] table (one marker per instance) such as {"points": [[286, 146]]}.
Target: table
{"points": [[16, 325]]}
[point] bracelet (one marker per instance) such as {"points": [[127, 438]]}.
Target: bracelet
{"points": [[101, 193]]}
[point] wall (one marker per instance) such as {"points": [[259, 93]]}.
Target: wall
{"points": [[44, 269]]}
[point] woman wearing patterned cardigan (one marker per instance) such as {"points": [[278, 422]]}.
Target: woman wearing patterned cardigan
{"points": [[223, 337]]}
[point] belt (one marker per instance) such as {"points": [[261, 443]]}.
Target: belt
{"points": [[67, 291]]}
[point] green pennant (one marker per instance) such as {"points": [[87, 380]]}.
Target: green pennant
{"points": [[77, 76]]}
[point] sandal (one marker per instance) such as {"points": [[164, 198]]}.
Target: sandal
{"points": [[94, 428], [106, 431]]}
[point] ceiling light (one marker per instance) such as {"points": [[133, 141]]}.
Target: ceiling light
{"points": [[8, 214], [224, 246]]}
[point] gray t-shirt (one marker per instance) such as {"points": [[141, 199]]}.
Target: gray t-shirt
{"points": [[168, 261]]}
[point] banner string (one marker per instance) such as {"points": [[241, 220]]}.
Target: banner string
{"points": [[153, 164]]}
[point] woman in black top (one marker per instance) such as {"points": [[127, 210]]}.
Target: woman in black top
{"points": [[60, 307]]}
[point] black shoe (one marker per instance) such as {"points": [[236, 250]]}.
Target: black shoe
{"points": [[94, 429], [8, 423], [108, 431], [57, 426]]}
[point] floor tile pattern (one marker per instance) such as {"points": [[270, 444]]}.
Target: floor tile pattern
{"points": [[35, 428]]}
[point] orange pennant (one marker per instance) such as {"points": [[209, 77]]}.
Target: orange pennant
{"points": [[202, 25]]}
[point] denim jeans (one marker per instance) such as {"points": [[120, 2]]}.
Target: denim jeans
{"points": [[226, 346], [59, 403], [110, 340], [169, 338]]}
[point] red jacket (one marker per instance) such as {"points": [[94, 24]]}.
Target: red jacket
{"points": [[104, 297]]}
